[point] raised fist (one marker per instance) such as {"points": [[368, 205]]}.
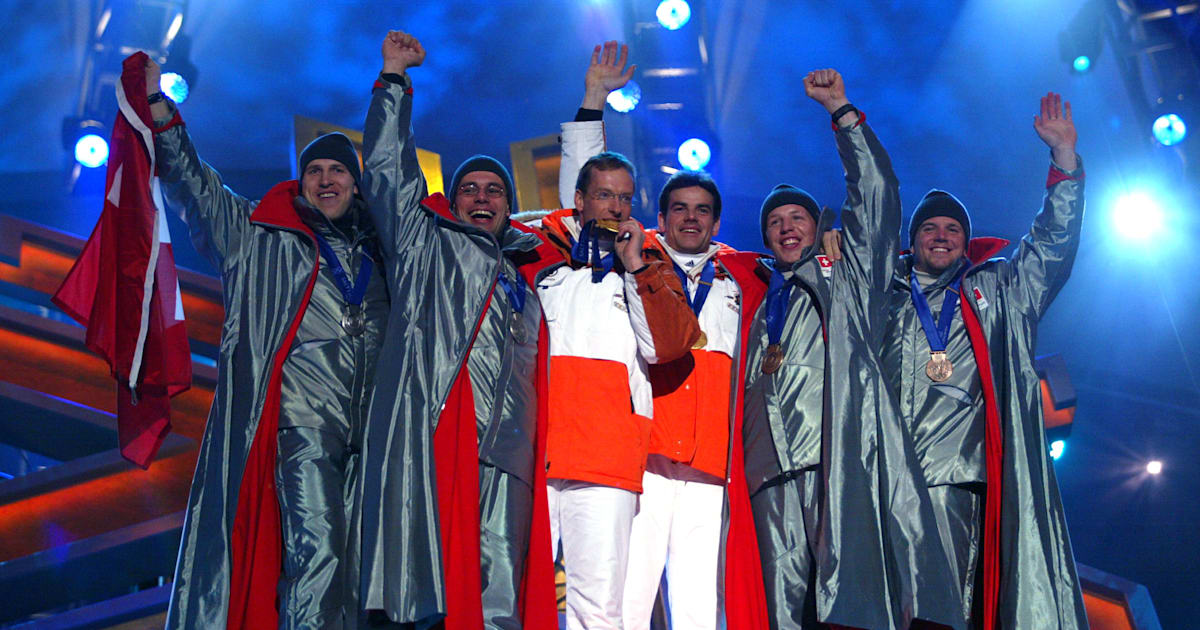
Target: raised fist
{"points": [[153, 76], [401, 51], [825, 87]]}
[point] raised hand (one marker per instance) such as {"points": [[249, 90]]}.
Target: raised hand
{"points": [[831, 244], [630, 238], [401, 51], [825, 87], [606, 73], [1057, 129], [153, 76]]}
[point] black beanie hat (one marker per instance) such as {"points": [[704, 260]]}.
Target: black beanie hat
{"points": [[483, 163], [332, 146], [785, 194], [938, 203]]}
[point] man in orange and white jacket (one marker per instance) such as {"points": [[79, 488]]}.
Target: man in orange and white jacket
{"points": [[600, 401]]}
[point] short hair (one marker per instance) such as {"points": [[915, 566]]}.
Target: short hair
{"points": [[606, 161], [687, 179]]}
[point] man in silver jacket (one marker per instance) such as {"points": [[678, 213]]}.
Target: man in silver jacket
{"points": [[959, 351], [846, 535], [305, 311], [455, 526]]}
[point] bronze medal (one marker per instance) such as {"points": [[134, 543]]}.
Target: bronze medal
{"points": [[772, 359], [354, 319], [939, 368], [701, 341]]}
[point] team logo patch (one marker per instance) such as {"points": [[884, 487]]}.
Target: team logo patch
{"points": [[826, 265], [979, 299]]}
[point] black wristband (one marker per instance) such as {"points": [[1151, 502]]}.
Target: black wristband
{"points": [[842, 111], [156, 97], [584, 114], [394, 77]]}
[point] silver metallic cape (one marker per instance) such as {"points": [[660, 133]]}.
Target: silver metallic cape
{"points": [[879, 561], [440, 273], [264, 273], [1039, 587]]}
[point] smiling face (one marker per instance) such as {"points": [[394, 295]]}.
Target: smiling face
{"points": [[609, 196], [790, 228], [939, 243], [481, 200], [689, 223], [329, 186]]}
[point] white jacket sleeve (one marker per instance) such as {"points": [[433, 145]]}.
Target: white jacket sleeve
{"points": [[580, 141]]}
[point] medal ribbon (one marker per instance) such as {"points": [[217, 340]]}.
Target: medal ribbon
{"points": [[938, 335], [703, 284], [779, 293], [589, 241], [514, 290], [353, 294]]}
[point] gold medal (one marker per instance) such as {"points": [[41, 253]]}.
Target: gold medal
{"points": [[939, 368], [701, 341], [772, 359]]}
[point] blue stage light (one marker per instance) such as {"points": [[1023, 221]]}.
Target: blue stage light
{"points": [[1137, 216], [1082, 64], [174, 86], [694, 154], [91, 150], [1056, 448], [673, 14], [626, 98], [1169, 129]]}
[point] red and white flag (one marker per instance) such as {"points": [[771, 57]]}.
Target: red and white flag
{"points": [[123, 287]]}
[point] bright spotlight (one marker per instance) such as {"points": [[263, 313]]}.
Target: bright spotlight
{"points": [[174, 86], [1056, 448], [626, 98], [91, 150], [1169, 129], [673, 14], [694, 154], [1154, 467], [1137, 216], [1082, 64]]}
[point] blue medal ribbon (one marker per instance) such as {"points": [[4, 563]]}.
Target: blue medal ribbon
{"points": [[514, 290], [779, 293], [703, 284], [589, 243], [352, 293], [939, 334]]}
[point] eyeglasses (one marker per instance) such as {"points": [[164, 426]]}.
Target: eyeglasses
{"points": [[625, 199], [494, 191]]}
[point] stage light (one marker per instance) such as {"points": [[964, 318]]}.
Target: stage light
{"points": [[694, 154], [626, 98], [174, 86], [1081, 42], [1169, 129], [1154, 467], [91, 150], [673, 14], [1082, 64], [1057, 447], [1137, 216]]}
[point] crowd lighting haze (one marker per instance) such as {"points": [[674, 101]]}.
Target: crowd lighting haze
{"points": [[1137, 216], [626, 98], [91, 150], [174, 86], [694, 154], [1169, 129], [673, 14]]}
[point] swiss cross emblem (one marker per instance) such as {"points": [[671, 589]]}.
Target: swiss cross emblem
{"points": [[979, 299], [826, 265]]}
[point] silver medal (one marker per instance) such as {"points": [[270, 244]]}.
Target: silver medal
{"points": [[354, 319]]}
